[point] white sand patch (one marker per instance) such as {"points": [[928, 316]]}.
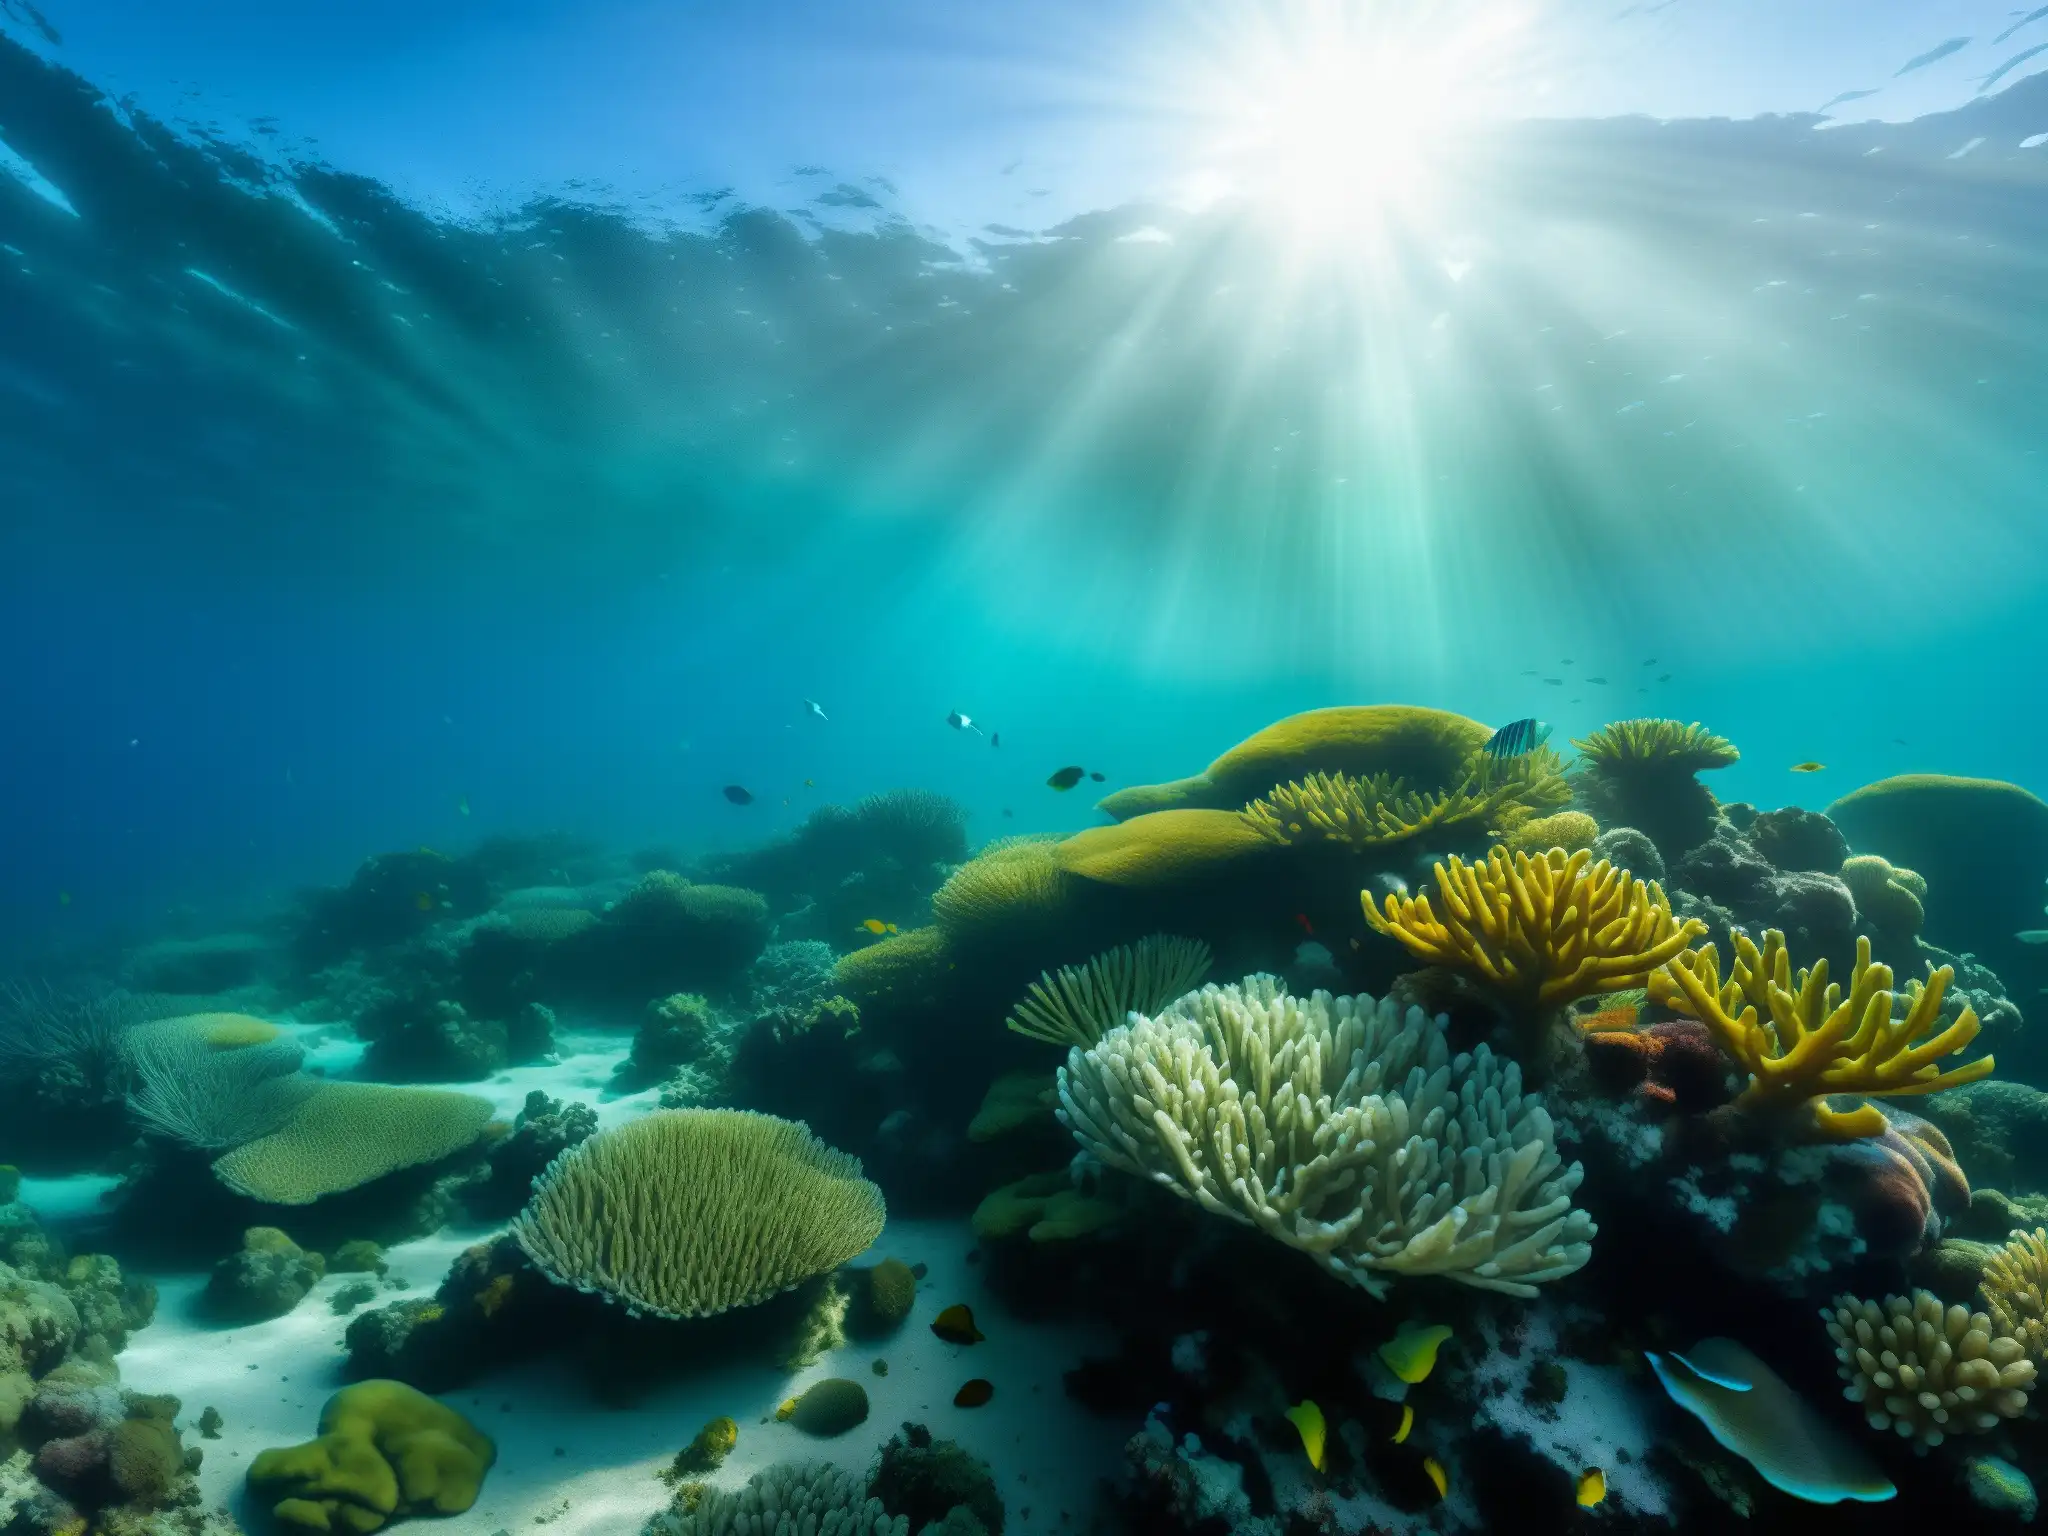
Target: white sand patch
{"points": [[577, 1466], [76, 1199]]}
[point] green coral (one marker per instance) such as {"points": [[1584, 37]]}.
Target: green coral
{"points": [[881, 1296], [266, 1278], [384, 1450], [347, 1134], [827, 1408]]}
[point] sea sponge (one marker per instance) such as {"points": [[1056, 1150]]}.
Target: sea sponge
{"points": [[1888, 898], [787, 1499], [1539, 931], [827, 1408], [2015, 1287], [1569, 830], [1640, 774], [1925, 1370], [689, 1212], [880, 1298], [384, 1450], [347, 1134], [1163, 848], [1009, 890], [1429, 748], [1077, 1003], [1341, 1127], [1802, 1042], [678, 1029]]}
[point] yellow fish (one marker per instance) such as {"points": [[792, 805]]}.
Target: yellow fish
{"points": [[1437, 1475], [1407, 1423], [1411, 1353], [810, 783], [1592, 1487], [1307, 1418], [876, 925], [785, 1410], [1808, 767]]}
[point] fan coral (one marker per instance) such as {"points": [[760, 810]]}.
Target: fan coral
{"points": [[346, 1134], [1926, 1370], [690, 1212], [1541, 931], [787, 1499], [1340, 1127], [2015, 1287], [1641, 775], [203, 1094], [1426, 747], [1077, 1004], [1816, 1042]]}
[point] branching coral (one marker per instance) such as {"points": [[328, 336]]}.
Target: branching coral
{"points": [[1657, 743], [1640, 774], [1078, 1004], [2015, 1290], [1379, 810], [1340, 1126], [1542, 930], [1802, 1042], [1927, 1371], [689, 1212]]}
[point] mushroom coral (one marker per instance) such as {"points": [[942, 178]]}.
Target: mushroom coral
{"points": [[1801, 1042]]}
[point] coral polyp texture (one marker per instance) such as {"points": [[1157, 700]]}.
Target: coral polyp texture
{"points": [[1004, 889], [1803, 1040], [1925, 1370], [1078, 1004], [787, 1499], [1342, 1127], [2015, 1290], [1379, 811], [1640, 773], [1665, 744], [1542, 929], [346, 1134], [690, 1212]]}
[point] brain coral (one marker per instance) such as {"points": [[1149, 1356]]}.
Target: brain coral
{"points": [[384, 1450], [689, 1212], [1429, 748], [346, 1134]]}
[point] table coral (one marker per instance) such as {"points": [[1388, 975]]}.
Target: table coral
{"points": [[1925, 1370], [1803, 1042], [1341, 1127]]}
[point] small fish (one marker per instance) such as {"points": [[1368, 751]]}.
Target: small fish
{"points": [[961, 722], [1937, 52], [1808, 767], [63, 898], [1528, 672], [1008, 812], [810, 783], [1307, 1420], [817, 709], [876, 925], [1516, 739], [1411, 1353], [1407, 1423], [956, 1325], [785, 1411], [1600, 680], [1434, 1470], [995, 739], [1066, 779], [1555, 682], [738, 794], [1306, 927], [1592, 1487], [2025, 935], [1898, 741], [462, 805], [424, 901], [974, 1394], [1665, 678], [1097, 777], [1566, 662], [1651, 662]]}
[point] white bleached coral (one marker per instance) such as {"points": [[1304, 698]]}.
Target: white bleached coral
{"points": [[1926, 1370], [1342, 1126]]}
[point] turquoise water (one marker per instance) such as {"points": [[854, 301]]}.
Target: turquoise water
{"points": [[417, 432]]}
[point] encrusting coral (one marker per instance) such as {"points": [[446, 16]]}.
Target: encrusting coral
{"points": [[1925, 1370], [1077, 1004], [1800, 1042], [346, 1134], [2015, 1290], [1540, 930], [1340, 1126], [689, 1212]]}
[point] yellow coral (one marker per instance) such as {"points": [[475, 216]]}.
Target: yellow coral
{"points": [[1569, 830], [1629, 744], [2015, 1287], [1378, 810], [1802, 1042], [1165, 848], [903, 963], [1007, 886], [1540, 930]]}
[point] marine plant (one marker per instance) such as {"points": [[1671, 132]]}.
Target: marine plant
{"points": [[1803, 1040], [1077, 1004], [1539, 930], [1342, 1127], [1925, 1370], [2015, 1290], [690, 1212], [346, 1134], [384, 1450]]}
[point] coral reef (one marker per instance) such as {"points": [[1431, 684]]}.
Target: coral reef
{"points": [[1340, 1127], [266, 1277], [926, 1480], [198, 1086], [1571, 831], [665, 935], [1800, 1042], [1925, 1370], [1163, 849], [1796, 840], [1078, 1003], [2015, 1286], [544, 1129], [686, 1213], [787, 1499], [675, 1031], [1376, 813], [347, 1134], [383, 1451], [1640, 773]]}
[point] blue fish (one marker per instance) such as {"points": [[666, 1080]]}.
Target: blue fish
{"points": [[1937, 52], [1516, 738]]}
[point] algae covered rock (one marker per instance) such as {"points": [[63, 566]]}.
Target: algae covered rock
{"points": [[927, 1480], [268, 1276], [880, 1297], [383, 1450], [827, 1408]]}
